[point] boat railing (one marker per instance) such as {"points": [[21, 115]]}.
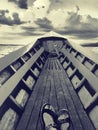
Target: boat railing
{"points": [[19, 72], [82, 71]]}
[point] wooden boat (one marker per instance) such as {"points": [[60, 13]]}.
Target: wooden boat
{"points": [[49, 70]]}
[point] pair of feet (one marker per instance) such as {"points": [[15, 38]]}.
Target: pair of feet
{"points": [[53, 121]]}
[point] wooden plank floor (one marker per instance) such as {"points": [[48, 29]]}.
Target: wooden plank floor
{"points": [[54, 87]]}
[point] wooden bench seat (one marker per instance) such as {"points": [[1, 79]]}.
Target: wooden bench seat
{"points": [[54, 87]]}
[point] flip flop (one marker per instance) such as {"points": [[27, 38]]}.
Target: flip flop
{"points": [[63, 119], [51, 117]]}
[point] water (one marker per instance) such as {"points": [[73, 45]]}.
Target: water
{"points": [[93, 49], [6, 49]]}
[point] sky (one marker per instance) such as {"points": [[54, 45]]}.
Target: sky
{"points": [[21, 20]]}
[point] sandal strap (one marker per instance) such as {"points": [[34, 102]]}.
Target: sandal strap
{"points": [[52, 113], [51, 126], [67, 120]]}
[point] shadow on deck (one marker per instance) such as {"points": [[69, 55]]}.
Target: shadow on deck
{"points": [[54, 87]]}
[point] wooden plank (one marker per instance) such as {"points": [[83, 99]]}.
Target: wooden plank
{"points": [[59, 65], [70, 106], [51, 64], [47, 64], [32, 124], [43, 97], [44, 100], [53, 95], [59, 92], [31, 102], [77, 106], [55, 64], [49, 67], [50, 95]]}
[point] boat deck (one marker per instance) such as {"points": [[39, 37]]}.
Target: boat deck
{"points": [[53, 86]]}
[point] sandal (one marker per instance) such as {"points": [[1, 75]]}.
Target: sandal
{"points": [[63, 119], [49, 117]]}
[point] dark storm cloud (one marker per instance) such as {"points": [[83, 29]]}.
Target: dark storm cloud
{"points": [[21, 3], [8, 20], [44, 23]]}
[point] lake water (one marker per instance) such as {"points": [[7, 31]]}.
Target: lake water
{"points": [[94, 49], [6, 49]]}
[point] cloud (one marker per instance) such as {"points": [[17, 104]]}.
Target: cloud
{"points": [[27, 33], [77, 8], [72, 23], [57, 17], [8, 20], [2, 12], [29, 28], [55, 4], [83, 22], [15, 35], [21, 3], [44, 23], [40, 8], [30, 31], [79, 25], [47, 15], [16, 19]]}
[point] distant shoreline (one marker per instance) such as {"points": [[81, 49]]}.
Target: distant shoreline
{"points": [[90, 45], [11, 45]]}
